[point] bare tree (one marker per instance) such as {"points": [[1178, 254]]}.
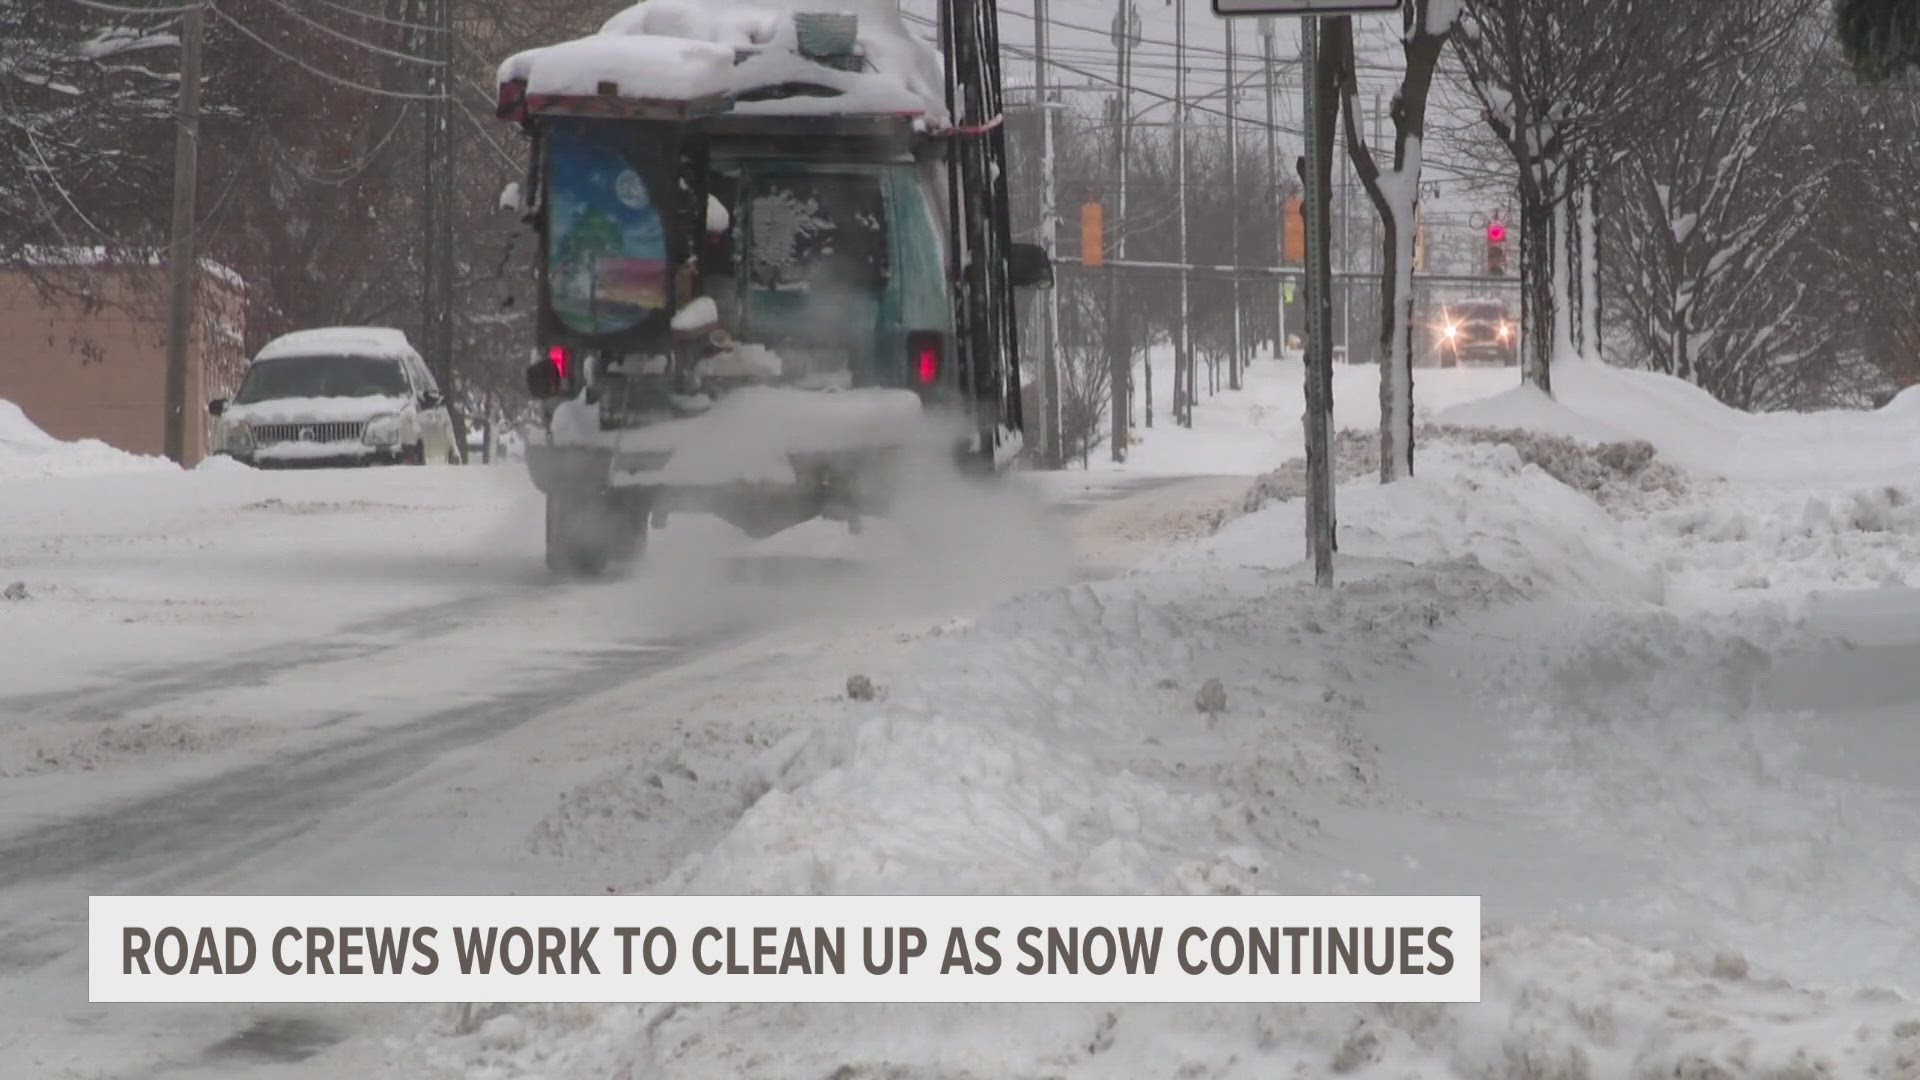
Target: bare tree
{"points": [[1704, 220], [1861, 250], [83, 141], [1583, 83], [1395, 193]]}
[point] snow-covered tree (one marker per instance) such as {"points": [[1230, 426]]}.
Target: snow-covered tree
{"points": [[1395, 190], [1865, 243], [1706, 220], [87, 110], [1579, 84]]}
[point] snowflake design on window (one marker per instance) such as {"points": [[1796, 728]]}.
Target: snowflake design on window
{"points": [[786, 230]]}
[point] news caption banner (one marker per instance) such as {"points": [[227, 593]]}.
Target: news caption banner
{"points": [[1118, 949]]}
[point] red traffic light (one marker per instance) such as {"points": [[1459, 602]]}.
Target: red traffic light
{"points": [[1496, 232]]}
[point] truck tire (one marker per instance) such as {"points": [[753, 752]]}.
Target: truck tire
{"points": [[586, 537]]}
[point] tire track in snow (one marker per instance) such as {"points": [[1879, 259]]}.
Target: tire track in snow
{"points": [[166, 840], [141, 689]]}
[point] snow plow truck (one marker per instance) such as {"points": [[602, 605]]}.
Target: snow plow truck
{"points": [[773, 246]]}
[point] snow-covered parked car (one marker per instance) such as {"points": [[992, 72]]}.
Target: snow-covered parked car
{"points": [[335, 396]]}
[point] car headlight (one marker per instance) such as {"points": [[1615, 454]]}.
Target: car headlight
{"points": [[382, 431], [238, 438]]}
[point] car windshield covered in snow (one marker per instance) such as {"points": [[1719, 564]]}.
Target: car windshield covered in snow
{"points": [[322, 377]]}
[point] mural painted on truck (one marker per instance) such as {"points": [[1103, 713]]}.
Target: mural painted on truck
{"points": [[608, 249]]}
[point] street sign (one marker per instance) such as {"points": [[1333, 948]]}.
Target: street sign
{"points": [[1233, 8]]}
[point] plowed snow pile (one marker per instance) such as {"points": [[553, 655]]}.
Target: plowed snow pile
{"points": [[1531, 685], [26, 452]]}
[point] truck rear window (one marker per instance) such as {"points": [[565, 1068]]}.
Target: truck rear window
{"points": [[816, 233]]}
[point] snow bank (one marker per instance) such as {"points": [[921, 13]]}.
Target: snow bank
{"points": [[374, 341], [965, 784], [1557, 1004], [216, 463], [1587, 718], [1598, 403], [26, 452], [1904, 405], [1081, 765], [1526, 407]]}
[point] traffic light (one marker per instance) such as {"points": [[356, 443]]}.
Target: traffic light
{"points": [[1496, 249], [1093, 238]]}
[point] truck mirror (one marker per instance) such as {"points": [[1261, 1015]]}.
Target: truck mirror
{"points": [[1029, 267], [217, 406]]}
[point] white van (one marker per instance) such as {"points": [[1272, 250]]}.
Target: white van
{"points": [[337, 396]]}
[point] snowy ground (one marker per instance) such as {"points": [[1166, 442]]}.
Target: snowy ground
{"points": [[1249, 431], [1666, 734]]}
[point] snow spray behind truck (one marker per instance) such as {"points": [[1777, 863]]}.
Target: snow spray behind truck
{"points": [[773, 244]]}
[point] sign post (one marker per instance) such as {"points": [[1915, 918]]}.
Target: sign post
{"points": [[1318, 268], [1319, 358]]}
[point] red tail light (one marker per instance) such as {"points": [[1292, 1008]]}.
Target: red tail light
{"points": [[557, 356], [924, 350], [512, 102]]}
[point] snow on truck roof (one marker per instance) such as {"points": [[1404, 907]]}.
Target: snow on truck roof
{"points": [[339, 341], [688, 50]]}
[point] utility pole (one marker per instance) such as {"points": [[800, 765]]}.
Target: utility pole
{"points": [[1119, 354], [437, 204], [1233, 200], [1182, 355], [1346, 243], [1049, 228], [1126, 35], [182, 262], [1319, 365], [1273, 170]]}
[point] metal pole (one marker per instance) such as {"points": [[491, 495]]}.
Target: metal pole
{"points": [[1126, 35], [1319, 315], [437, 204], [1233, 200], [1049, 227], [1119, 356], [182, 264], [1182, 358], [1346, 245]]}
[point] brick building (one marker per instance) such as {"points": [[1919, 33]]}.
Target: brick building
{"points": [[83, 349]]}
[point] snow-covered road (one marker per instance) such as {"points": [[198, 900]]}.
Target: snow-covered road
{"points": [[366, 682]]}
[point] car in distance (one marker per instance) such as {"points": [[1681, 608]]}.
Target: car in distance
{"points": [[1476, 333], [332, 397]]}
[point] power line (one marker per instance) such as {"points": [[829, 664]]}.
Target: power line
{"points": [[481, 130], [349, 38], [383, 20], [1457, 172], [310, 69], [122, 9]]}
